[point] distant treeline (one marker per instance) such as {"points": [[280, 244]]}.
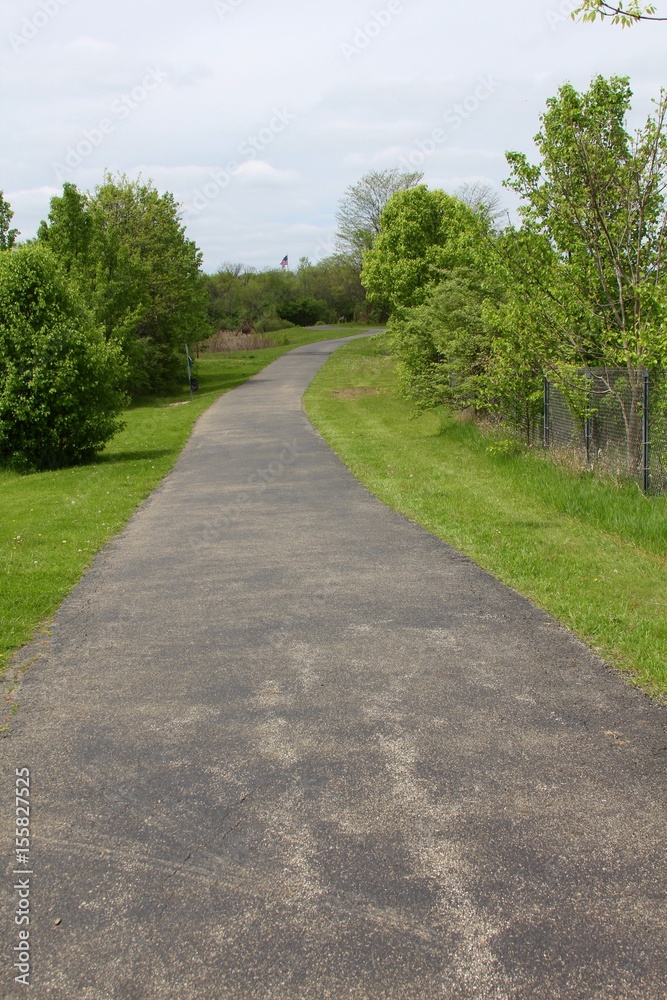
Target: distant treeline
{"points": [[330, 291]]}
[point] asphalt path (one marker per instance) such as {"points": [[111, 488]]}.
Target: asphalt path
{"points": [[284, 743]]}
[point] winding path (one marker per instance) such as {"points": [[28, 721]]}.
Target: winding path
{"points": [[286, 744]]}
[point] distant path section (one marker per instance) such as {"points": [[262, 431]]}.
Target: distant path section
{"points": [[284, 743]]}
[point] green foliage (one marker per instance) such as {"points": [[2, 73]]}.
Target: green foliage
{"points": [[239, 295], [423, 235], [480, 316], [60, 382], [303, 312], [7, 234], [68, 233], [126, 249], [270, 324], [589, 288], [618, 12], [444, 345], [598, 196]]}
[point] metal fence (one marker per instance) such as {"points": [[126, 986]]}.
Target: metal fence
{"points": [[612, 421]]}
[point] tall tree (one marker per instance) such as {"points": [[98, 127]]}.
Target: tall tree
{"points": [[68, 231], [125, 247], [598, 199], [423, 235], [361, 206]]}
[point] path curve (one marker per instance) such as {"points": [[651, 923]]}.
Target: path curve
{"points": [[286, 744]]}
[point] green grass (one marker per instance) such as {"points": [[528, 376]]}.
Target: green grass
{"points": [[591, 553], [53, 523]]}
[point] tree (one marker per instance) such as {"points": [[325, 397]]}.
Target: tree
{"points": [[423, 235], [619, 12], [444, 345], [361, 206], [7, 234], [60, 381], [597, 201], [68, 232], [125, 247]]}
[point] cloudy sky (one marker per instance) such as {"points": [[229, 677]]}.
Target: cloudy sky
{"points": [[257, 114]]}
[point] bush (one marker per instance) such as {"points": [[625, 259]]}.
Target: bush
{"points": [[270, 324], [303, 312], [60, 381]]}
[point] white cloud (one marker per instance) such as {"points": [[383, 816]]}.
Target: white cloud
{"points": [[92, 46], [260, 172], [226, 76]]}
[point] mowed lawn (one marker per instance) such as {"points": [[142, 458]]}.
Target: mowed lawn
{"points": [[591, 553], [53, 523]]}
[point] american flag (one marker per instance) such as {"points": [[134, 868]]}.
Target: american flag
{"points": [[284, 262]]}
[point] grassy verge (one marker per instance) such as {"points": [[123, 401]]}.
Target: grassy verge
{"points": [[592, 554], [53, 523]]}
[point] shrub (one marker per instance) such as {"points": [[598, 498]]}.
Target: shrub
{"points": [[303, 312], [270, 324], [60, 381]]}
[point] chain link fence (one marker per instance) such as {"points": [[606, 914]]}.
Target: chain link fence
{"points": [[612, 421]]}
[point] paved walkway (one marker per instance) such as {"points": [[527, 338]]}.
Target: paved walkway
{"points": [[286, 744]]}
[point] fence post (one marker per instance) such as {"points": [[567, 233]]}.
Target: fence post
{"points": [[545, 419], [645, 432]]}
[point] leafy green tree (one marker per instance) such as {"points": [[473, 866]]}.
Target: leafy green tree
{"points": [[126, 248], [68, 233], [597, 198], [7, 234], [444, 345], [361, 206], [60, 381], [423, 235]]}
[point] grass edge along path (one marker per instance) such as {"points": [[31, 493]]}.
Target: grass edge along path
{"points": [[53, 524], [532, 525]]}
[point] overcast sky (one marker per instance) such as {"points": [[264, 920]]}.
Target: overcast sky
{"points": [[257, 114]]}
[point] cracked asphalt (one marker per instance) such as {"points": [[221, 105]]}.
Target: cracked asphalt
{"points": [[284, 743]]}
